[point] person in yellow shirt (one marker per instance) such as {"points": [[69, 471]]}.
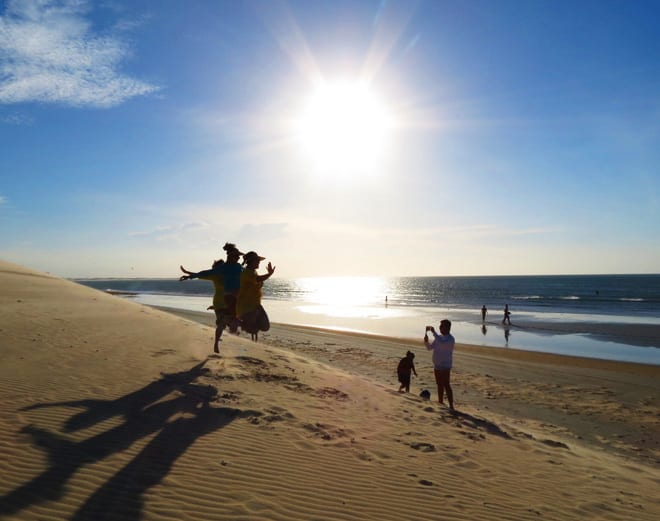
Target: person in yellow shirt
{"points": [[249, 310], [219, 305]]}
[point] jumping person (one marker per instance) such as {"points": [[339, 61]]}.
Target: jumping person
{"points": [[219, 306], [231, 273], [250, 312]]}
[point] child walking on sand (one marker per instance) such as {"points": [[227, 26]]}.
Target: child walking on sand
{"points": [[406, 366]]}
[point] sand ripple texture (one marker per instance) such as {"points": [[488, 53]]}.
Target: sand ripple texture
{"points": [[113, 411]]}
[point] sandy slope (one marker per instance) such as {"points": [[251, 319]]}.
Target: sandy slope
{"points": [[110, 410]]}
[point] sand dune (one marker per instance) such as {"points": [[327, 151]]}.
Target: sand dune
{"points": [[111, 410]]}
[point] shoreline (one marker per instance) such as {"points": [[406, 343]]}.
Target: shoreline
{"points": [[595, 340], [109, 406], [503, 382], [499, 352]]}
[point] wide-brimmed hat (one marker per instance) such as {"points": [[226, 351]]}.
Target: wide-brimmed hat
{"points": [[252, 255]]}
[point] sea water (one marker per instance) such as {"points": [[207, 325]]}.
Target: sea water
{"points": [[403, 306]]}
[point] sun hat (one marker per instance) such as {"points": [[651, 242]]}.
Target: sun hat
{"points": [[247, 257]]}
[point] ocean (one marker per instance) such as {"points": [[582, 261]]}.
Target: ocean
{"points": [[564, 314]]}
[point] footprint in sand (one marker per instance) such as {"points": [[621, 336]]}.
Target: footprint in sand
{"points": [[163, 352], [330, 392], [424, 447]]}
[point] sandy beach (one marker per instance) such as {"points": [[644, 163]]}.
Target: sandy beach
{"points": [[114, 410]]}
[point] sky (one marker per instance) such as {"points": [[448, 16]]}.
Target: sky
{"points": [[384, 138]]}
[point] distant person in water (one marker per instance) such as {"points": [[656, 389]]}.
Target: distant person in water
{"points": [[507, 315], [219, 306], [443, 351], [484, 312], [404, 369], [250, 312]]}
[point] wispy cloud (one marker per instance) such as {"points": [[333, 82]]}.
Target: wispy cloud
{"points": [[170, 232], [17, 119], [49, 54], [3, 200]]}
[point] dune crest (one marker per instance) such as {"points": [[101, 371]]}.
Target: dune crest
{"points": [[112, 410]]}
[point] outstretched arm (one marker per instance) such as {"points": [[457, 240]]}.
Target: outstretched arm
{"points": [[265, 276], [188, 274]]}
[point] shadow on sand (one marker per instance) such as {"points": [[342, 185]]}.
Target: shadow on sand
{"points": [[474, 422], [145, 412]]}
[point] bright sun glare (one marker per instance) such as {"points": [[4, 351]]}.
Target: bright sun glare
{"points": [[344, 130]]}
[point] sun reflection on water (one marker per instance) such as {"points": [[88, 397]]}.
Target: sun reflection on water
{"points": [[343, 291]]}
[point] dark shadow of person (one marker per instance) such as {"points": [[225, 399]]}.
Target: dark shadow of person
{"points": [[121, 497], [473, 422], [144, 415], [101, 410], [484, 329]]}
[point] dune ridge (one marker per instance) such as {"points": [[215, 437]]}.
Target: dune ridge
{"points": [[112, 410]]}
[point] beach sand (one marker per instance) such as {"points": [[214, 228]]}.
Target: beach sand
{"points": [[113, 410]]}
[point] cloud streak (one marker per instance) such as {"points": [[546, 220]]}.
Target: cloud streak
{"points": [[49, 54]]}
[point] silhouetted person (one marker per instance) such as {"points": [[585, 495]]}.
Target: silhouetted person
{"points": [[249, 310], [507, 315], [484, 312], [405, 367], [215, 275]]}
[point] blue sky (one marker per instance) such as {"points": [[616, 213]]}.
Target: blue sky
{"points": [[507, 137]]}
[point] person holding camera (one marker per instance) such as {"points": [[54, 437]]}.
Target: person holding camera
{"points": [[443, 350]]}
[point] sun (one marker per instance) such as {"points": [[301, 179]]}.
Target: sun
{"points": [[344, 129]]}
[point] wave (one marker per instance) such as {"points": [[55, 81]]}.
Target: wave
{"points": [[121, 292], [610, 295]]}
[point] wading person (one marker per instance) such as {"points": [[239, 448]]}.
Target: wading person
{"points": [[507, 315], [443, 350]]}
